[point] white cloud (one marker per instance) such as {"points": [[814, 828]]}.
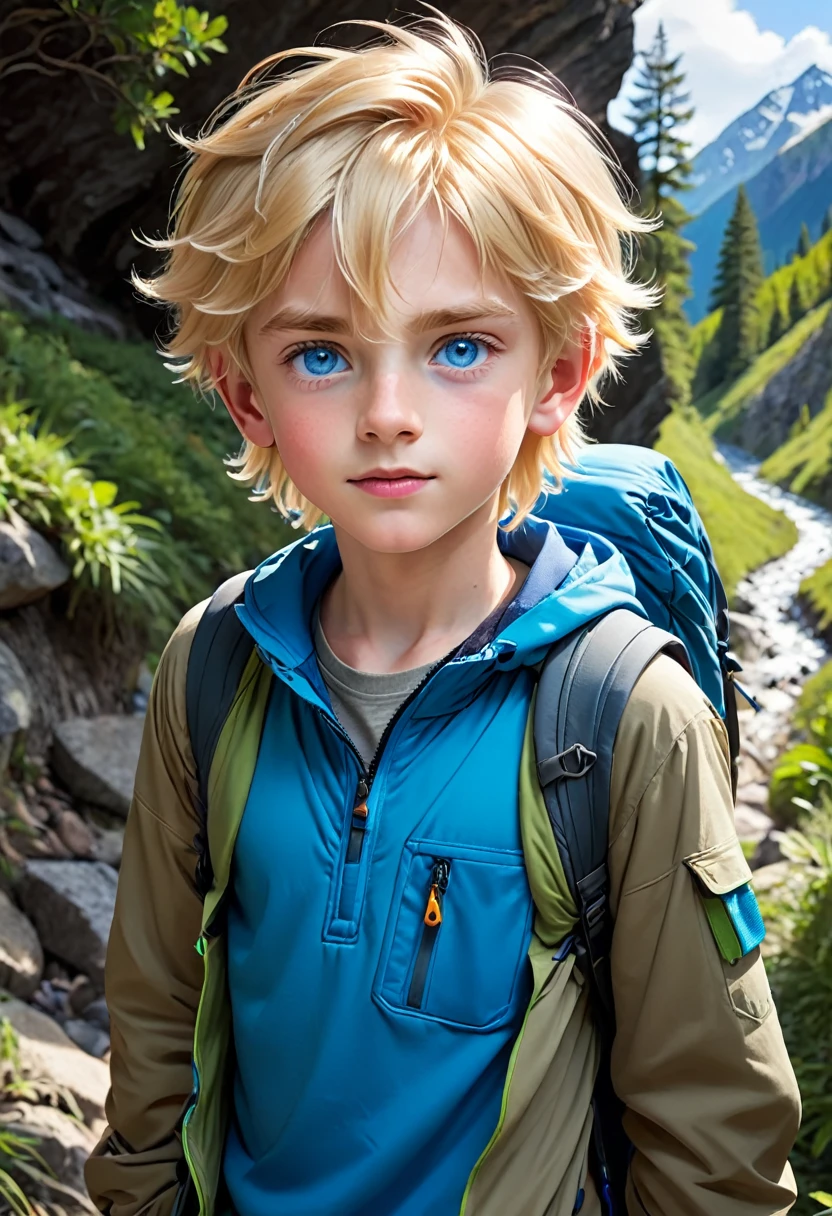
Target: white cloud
{"points": [[730, 63]]}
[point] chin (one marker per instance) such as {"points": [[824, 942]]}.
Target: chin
{"points": [[394, 534]]}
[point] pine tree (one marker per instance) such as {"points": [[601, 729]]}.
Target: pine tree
{"points": [[778, 325], [658, 112], [798, 306], [826, 222], [739, 274], [804, 243]]}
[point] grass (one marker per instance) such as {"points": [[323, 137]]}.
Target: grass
{"points": [[724, 406], [744, 531], [816, 592], [804, 463]]}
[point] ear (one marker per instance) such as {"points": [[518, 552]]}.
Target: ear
{"points": [[577, 364], [239, 399]]}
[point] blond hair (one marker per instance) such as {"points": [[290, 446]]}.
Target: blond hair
{"points": [[371, 135]]}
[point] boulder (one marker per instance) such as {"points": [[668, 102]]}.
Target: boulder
{"points": [[21, 956], [15, 701], [64, 1144], [71, 904], [750, 822], [52, 1063], [97, 758], [748, 638], [29, 566], [75, 835], [91, 1039]]}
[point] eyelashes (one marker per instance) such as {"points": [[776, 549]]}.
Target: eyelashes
{"points": [[311, 381]]}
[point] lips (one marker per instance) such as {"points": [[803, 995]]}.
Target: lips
{"points": [[391, 483], [391, 475]]}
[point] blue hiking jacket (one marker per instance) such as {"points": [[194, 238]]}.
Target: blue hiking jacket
{"points": [[372, 1049]]}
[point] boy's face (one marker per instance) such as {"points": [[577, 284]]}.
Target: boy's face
{"points": [[401, 441]]}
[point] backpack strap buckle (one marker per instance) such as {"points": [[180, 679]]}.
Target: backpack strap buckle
{"points": [[574, 762]]}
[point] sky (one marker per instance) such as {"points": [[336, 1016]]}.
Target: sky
{"points": [[733, 53]]}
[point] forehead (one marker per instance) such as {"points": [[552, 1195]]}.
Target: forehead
{"points": [[428, 269]]}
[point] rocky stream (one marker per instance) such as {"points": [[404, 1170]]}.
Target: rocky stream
{"points": [[777, 645]]}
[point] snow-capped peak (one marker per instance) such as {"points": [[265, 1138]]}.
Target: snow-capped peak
{"points": [[784, 116]]}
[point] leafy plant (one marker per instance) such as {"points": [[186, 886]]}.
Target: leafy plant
{"points": [[107, 543], [801, 978], [128, 421], [125, 46], [803, 775], [18, 1152]]}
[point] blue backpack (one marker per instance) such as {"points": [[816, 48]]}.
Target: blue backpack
{"points": [[636, 499]]}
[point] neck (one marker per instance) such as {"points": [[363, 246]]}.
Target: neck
{"points": [[388, 612]]}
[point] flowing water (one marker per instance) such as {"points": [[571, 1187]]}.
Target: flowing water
{"points": [[781, 649]]}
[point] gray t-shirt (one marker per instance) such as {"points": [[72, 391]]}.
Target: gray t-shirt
{"points": [[364, 701]]}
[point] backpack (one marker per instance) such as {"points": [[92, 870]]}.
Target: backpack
{"points": [[636, 499]]}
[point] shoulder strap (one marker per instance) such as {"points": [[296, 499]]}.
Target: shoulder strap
{"points": [[584, 686], [219, 652]]}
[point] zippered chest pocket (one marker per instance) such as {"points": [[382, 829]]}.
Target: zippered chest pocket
{"points": [[457, 937]]}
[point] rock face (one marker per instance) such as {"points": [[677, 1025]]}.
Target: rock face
{"points": [[21, 956], [76, 667], [15, 702], [636, 406], [71, 905], [29, 566], [806, 379], [83, 187], [49, 1058], [97, 757]]}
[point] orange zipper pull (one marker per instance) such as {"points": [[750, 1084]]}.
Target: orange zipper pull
{"points": [[433, 912]]}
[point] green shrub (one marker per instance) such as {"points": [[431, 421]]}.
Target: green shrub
{"points": [[744, 531], [106, 543], [802, 778], [128, 422], [801, 979]]}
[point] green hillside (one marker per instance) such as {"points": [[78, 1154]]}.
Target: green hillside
{"points": [[744, 531], [804, 464], [816, 592], [810, 277], [723, 407]]}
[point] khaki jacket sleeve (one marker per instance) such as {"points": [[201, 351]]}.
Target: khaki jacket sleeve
{"points": [[153, 974], [712, 1106]]}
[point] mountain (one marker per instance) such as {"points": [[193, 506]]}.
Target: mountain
{"points": [[754, 139], [795, 186]]}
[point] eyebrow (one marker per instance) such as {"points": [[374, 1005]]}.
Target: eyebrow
{"points": [[438, 318]]}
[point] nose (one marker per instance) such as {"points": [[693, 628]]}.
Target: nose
{"points": [[389, 411]]}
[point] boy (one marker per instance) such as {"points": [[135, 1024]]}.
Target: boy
{"points": [[403, 278]]}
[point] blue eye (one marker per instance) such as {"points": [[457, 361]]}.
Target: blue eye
{"points": [[461, 352], [320, 360]]}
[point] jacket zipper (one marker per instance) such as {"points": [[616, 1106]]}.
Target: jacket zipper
{"points": [[358, 824], [432, 918]]}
